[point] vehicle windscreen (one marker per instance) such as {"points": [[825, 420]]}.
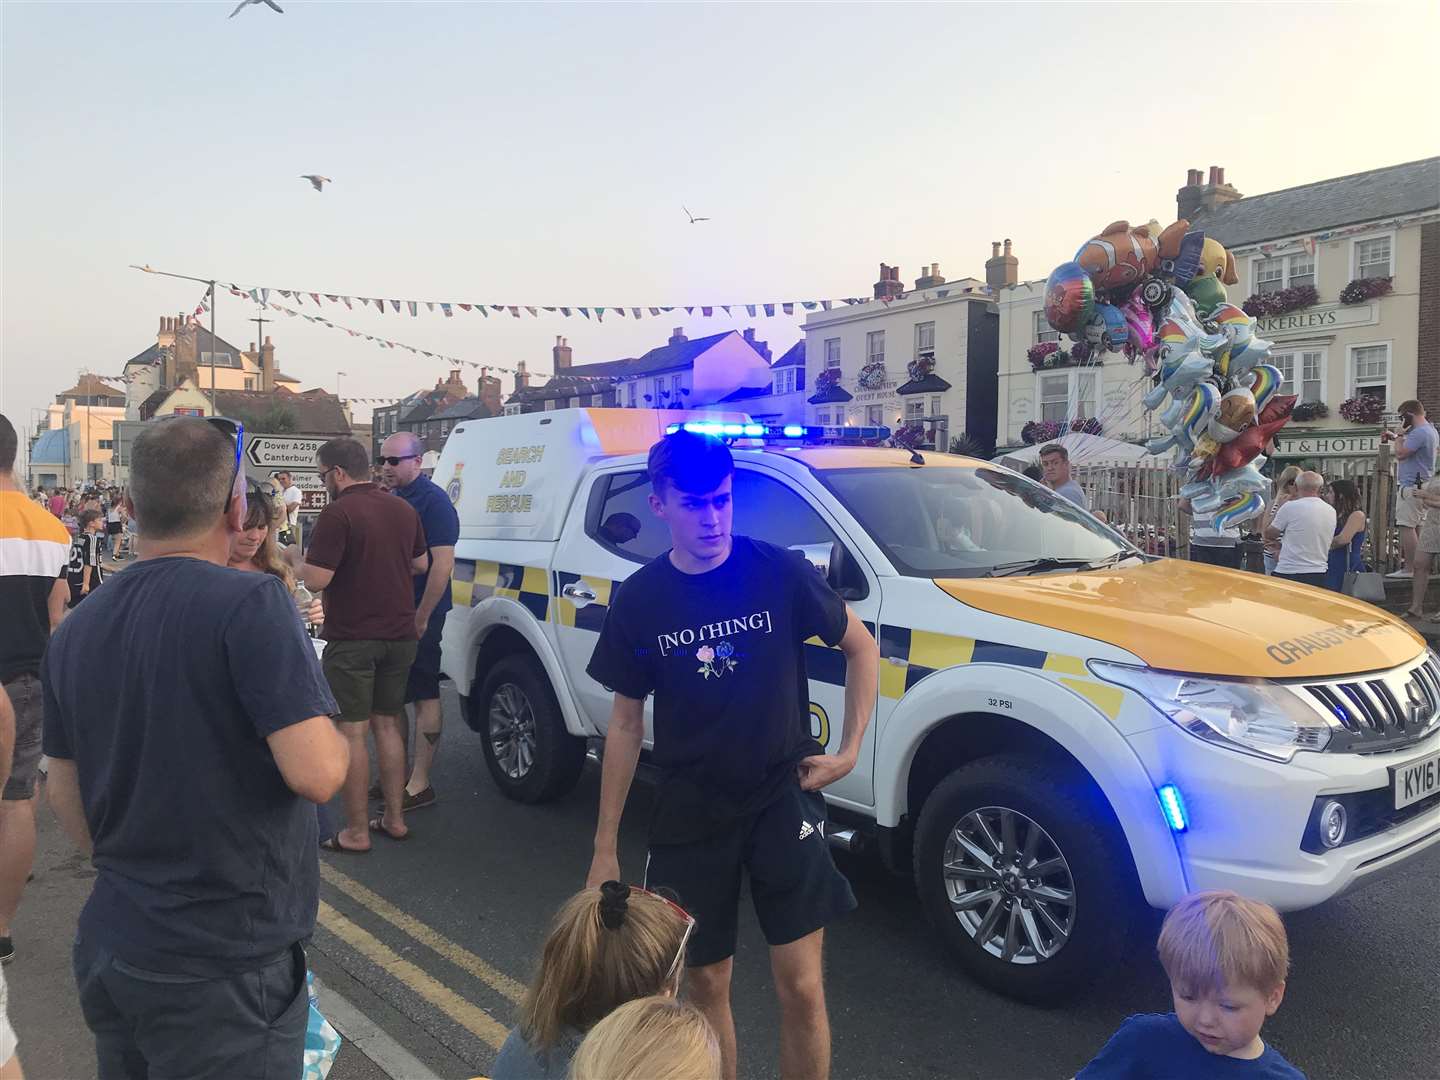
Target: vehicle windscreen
{"points": [[962, 522]]}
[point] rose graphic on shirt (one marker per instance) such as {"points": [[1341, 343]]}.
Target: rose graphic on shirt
{"points": [[716, 661]]}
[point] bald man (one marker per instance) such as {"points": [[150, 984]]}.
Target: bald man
{"points": [[399, 462], [1304, 526]]}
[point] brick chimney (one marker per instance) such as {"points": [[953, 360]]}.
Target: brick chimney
{"points": [[889, 287], [561, 354], [1201, 193], [187, 357], [522, 377], [1001, 269], [454, 387], [489, 392], [267, 366], [678, 337], [165, 341], [761, 347], [929, 277]]}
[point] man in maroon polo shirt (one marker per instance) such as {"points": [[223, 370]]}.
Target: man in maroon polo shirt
{"points": [[364, 550]]}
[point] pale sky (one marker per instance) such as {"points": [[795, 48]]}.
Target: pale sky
{"points": [[540, 154]]}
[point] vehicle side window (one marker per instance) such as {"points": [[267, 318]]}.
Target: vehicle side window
{"points": [[767, 510], [764, 508], [625, 522]]}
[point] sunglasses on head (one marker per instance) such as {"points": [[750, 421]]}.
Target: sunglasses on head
{"points": [[686, 917], [233, 429], [393, 461]]}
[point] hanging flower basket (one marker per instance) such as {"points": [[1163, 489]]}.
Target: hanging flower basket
{"points": [[1362, 289], [1362, 409], [828, 378], [872, 377], [1310, 410], [1040, 431], [1037, 354], [918, 369], [1261, 305]]}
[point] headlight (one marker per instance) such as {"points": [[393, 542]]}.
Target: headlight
{"points": [[1253, 716]]}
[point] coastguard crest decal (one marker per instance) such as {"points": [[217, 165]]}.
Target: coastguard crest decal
{"points": [[452, 489]]}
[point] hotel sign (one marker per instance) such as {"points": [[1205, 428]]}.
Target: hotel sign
{"points": [[1326, 444], [1318, 319]]}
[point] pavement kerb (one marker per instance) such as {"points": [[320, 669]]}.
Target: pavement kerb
{"points": [[367, 1037]]}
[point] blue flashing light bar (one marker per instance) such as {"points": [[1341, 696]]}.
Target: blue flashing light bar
{"points": [[781, 432], [1173, 804]]}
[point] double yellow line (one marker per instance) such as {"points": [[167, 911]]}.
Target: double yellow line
{"points": [[467, 1014]]}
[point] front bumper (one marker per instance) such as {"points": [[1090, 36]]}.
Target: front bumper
{"points": [[1248, 817]]}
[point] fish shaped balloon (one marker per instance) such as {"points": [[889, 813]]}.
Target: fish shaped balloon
{"points": [[1119, 256]]}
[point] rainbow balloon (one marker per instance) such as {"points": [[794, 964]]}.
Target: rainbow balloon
{"points": [[1264, 380], [1241, 508]]}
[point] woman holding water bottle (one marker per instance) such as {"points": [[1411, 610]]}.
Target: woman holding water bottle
{"points": [[255, 549]]}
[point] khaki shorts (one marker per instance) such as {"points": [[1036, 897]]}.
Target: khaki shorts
{"points": [[368, 677], [1409, 510], [29, 706]]}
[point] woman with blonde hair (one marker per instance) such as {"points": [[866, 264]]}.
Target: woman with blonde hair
{"points": [[1284, 492], [655, 1038], [607, 946], [254, 547]]}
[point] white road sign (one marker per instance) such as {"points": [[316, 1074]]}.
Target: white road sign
{"points": [[279, 451]]}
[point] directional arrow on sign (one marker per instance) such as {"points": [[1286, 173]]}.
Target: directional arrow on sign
{"points": [[280, 451]]}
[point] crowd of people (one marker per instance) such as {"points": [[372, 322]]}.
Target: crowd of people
{"points": [[198, 789]]}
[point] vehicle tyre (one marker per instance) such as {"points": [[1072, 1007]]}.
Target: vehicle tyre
{"points": [[1033, 890], [531, 757]]}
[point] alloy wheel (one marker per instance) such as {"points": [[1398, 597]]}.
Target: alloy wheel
{"points": [[1009, 885], [512, 731]]}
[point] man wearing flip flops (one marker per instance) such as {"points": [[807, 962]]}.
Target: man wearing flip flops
{"points": [[364, 552]]}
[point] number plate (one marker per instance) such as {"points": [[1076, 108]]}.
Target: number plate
{"points": [[1416, 781]]}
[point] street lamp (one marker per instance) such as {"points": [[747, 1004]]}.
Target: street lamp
{"points": [[337, 383]]}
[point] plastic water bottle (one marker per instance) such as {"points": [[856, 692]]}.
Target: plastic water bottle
{"points": [[304, 601]]}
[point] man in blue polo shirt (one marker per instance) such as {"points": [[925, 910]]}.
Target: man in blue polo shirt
{"points": [[400, 458]]}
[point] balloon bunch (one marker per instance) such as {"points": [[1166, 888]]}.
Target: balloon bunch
{"points": [[1160, 294]]}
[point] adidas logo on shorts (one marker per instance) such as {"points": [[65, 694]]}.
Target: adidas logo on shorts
{"points": [[806, 829]]}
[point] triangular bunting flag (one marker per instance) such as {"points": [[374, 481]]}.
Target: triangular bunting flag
{"points": [[285, 293], [599, 312], [316, 298], [346, 299], [481, 308], [584, 311], [515, 311], [464, 307], [769, 310], [635, 312], [750, 310], [414, 308], [332, 299], [689, 311], [707, 311], [809, 305], [532, 311], [565, 311], [656, 310], [825, 304], [424, 353], [789, 309], [497, 307], [445, 308], [264, 296], [550, 309], [667, 309], [725, 308], [255, 295]]}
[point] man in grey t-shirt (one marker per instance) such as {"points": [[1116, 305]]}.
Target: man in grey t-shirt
{"points": [[1415, 446], [1055, 461]]}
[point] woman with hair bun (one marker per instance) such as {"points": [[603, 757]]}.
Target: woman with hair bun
{"points": [[607, 946]]}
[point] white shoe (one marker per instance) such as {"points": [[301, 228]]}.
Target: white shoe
{"points": [[1401, 574]]}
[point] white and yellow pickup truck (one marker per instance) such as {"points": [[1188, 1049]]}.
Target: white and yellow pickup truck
{"points": [[1066, 729]]}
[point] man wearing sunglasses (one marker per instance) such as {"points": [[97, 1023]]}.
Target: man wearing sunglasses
{"points": [[190, 781], [400, 458], [715, 630]]}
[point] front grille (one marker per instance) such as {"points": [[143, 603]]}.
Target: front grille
{"points": [[1388, 711]]}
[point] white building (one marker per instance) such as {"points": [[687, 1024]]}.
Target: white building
{"points": [[926, 357]]}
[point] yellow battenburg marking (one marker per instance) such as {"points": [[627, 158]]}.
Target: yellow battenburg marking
{"points": [[600, 587], [471, 1017], [892, 680], [535, 580], [1065, 665], [487, 573], [461, 592], [566, 612], [1105, 698], [937, 651], [457, 954]]}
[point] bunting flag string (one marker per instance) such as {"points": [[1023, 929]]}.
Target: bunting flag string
{"points": [[448, 308]]}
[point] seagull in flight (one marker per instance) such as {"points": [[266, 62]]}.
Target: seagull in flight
{"points": [[315, 181], [692, 217], [246, 3]]}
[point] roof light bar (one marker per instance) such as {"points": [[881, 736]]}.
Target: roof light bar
{"points": [[781, 432]]}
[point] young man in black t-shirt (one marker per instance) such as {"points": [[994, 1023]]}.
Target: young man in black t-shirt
{"points": [[715, 630], [84, 572]]}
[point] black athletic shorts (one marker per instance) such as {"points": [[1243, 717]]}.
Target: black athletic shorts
{"points": [[793, 881]]}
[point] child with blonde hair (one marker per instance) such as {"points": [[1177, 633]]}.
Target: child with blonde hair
{"points": [[607, 946], [655, 1038], [1227, 958]]}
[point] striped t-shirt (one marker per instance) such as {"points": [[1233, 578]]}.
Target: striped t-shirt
{"points": [[34, 549]]}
